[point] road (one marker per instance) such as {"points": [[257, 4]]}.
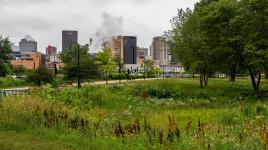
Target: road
{"points": [[116, 81]]}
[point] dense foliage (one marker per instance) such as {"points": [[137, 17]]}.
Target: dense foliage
{"points": [[5, 51], [8, 82], [40, 76], [87, 70], [223, 36], [107, 62]]}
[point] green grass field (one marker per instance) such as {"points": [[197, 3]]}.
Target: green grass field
{"points": [[161, 114]]}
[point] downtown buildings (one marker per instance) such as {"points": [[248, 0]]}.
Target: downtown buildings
{"points": [[69, 37], [26, 55], [124, 49], [161, 51], [52, 57], [28, 44]]}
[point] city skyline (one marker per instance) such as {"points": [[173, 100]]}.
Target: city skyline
{"points": [[45, 20]]}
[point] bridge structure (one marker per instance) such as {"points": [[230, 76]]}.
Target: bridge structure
{"points": [[13, 92]]}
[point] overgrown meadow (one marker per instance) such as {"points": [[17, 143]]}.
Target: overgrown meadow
{"points": [[160, 114]]}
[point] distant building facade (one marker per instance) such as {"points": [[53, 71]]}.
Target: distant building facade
{"points": [[117, 48], [171, 58], [15, 48], [52, 57], [30, 60], [142, 53], [130, 50], [158, 50], [51, 50], [68, 39], [124, 48], [28, 44]]}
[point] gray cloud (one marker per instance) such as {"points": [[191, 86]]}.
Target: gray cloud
{"points": [[44, 19]]}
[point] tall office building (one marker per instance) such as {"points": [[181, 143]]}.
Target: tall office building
{"points": [[124, 48], [130, 50], [68, 39], [117, 48], [158, 51], [28, 44]]}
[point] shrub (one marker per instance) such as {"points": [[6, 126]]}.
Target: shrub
{"points": [[40, 76], [8, 81]]}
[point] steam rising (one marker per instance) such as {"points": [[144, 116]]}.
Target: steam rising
{"points": [[111, 26]]}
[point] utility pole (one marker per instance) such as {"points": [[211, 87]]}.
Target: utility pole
{"points": [[78, 66], [144, 68]]}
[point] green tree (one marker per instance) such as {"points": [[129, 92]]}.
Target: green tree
{"points": [[148, 66], [5, 56], [222, 35], [40, 76], [253, 19], [88, 70], [106, 62], [156, 71], [191, 46]]}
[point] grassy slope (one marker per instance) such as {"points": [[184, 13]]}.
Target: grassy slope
{"points": [[227, 113]]}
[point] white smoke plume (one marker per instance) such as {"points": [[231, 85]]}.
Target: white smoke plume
{"points": [[111, 26]]}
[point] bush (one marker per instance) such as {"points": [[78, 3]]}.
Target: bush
{"points": [[40, 76], [19, 70], [8, 81]]}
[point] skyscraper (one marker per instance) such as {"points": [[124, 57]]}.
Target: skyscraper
{"points": [[124, 48], [158, 50], [130, 50], [28, 44], [68, 39], [117, 48]]}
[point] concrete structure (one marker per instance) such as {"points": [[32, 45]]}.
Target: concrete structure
{"points": [[158, 50], [28, 60], [28, 44], [124, 48], [68, 39], [117, 48]]}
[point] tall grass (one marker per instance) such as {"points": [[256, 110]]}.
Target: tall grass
{"points": [[169, 114]]}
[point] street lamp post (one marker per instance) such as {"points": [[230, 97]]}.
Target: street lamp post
{"points": [[144, 72], [78, 62], [78, 67]]}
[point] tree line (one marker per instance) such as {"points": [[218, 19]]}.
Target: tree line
{"points": [[227, 36], [102, 66]]}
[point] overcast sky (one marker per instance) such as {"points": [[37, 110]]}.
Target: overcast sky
{"points": [[45, 19]]}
